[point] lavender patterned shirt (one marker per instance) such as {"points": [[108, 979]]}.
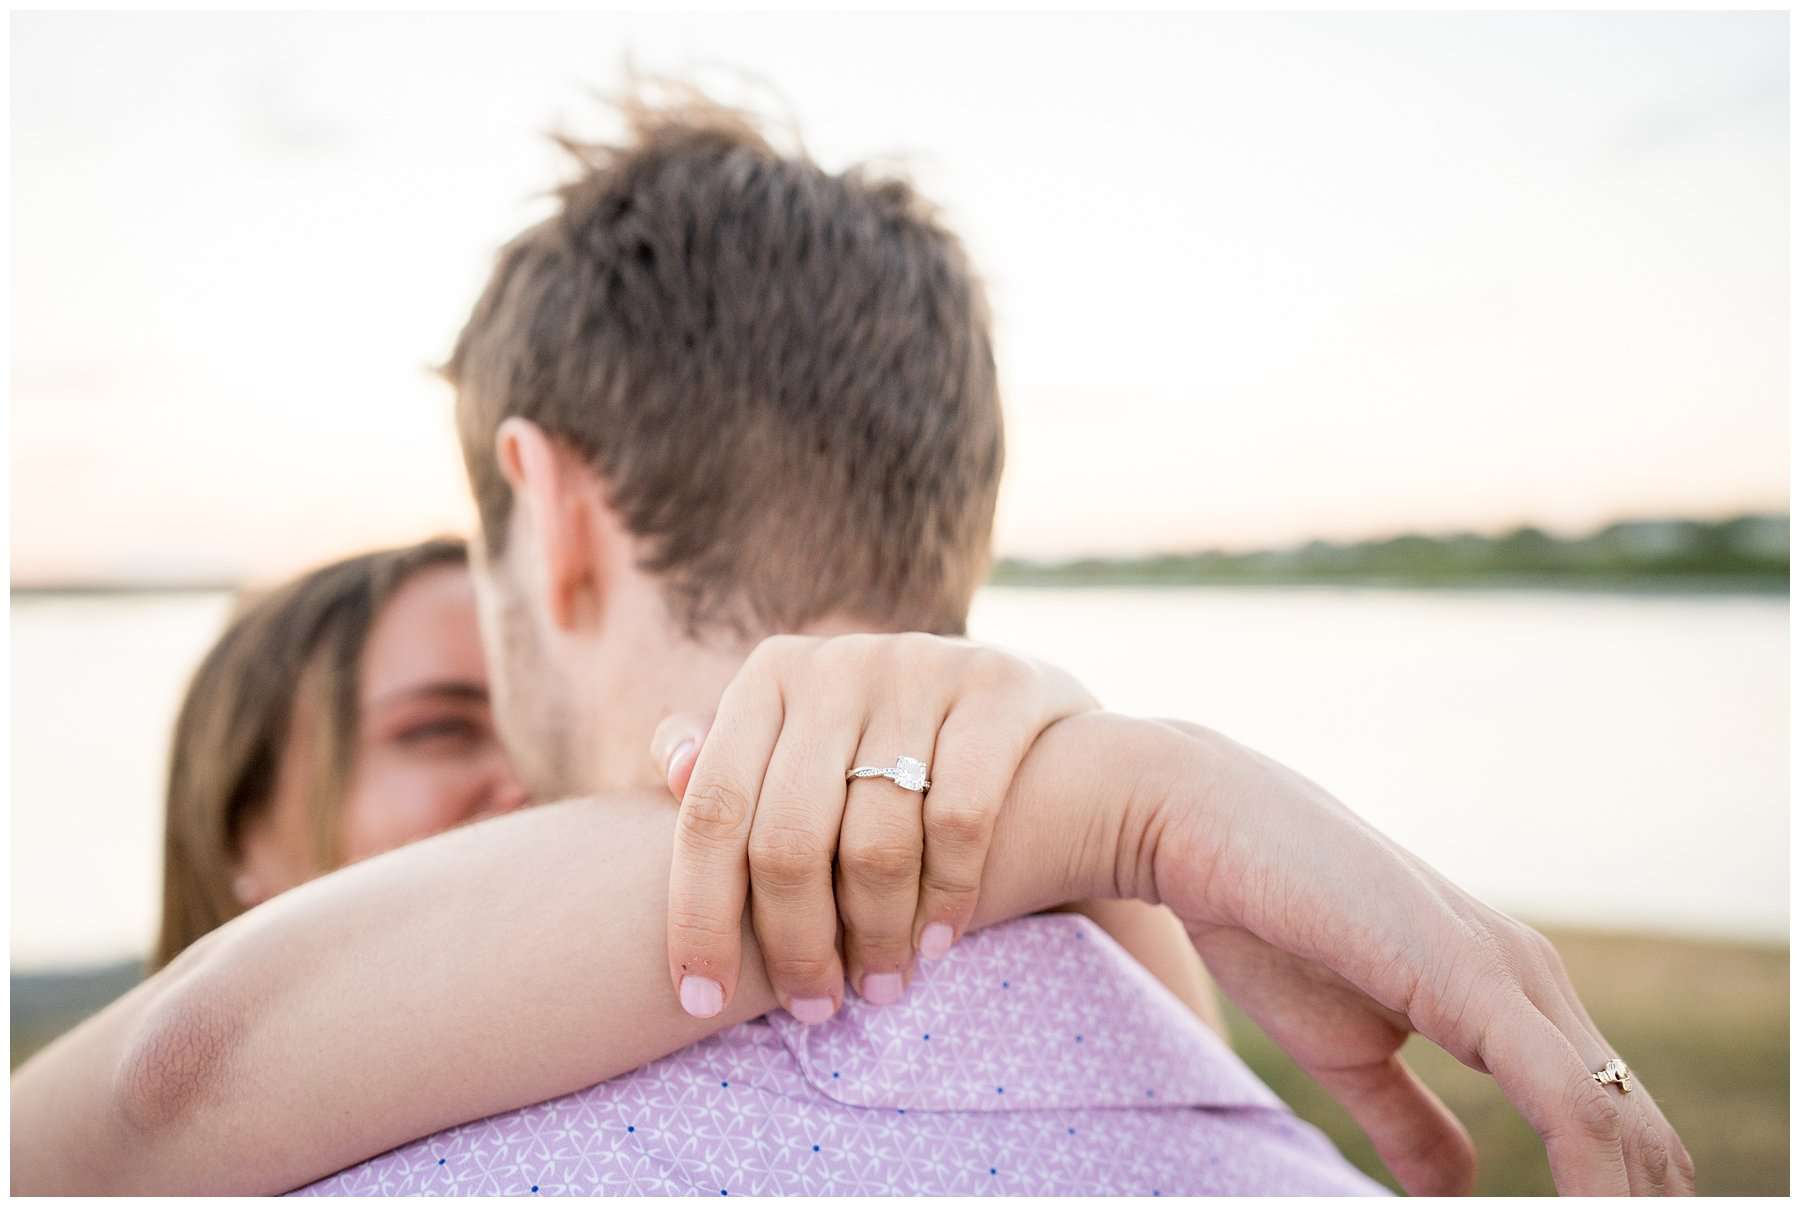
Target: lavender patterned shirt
{"points": [[1035, 1058]]}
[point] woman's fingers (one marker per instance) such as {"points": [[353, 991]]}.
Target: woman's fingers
{"points": [[1544, 1051], [1545, 1079], [792, 843], [766, 809], [709, 876], [1668, 1168], [969, 778], [1414, 1133], [675, 745], [1655, 1160], [880, 853]]}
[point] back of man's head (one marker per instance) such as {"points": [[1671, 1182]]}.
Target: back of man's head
{"points": [[784, 377]]}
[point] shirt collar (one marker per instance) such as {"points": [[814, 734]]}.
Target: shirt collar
{"points": [[1045, 1012]]}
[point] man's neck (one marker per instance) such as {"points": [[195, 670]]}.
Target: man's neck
{"points": [[630, 688]]}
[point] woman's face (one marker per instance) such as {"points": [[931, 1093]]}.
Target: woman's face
{"points": [[427, 757]]}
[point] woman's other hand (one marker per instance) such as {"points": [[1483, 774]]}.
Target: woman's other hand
{"points": [[768, 816], [1339, 943]]}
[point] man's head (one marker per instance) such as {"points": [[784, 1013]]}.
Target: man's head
{"points": [[722, 393]]}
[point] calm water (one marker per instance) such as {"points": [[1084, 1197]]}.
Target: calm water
{"points": [[1612, 760]]}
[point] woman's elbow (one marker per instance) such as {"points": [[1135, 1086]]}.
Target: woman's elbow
{"points": [[111, 1107], [173, 1065]]}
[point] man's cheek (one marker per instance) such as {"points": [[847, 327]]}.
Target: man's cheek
{"points": [[487, 609]]}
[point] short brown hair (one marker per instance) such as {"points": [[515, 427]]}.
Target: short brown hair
{"points": [[784, 376], [296, 646]]}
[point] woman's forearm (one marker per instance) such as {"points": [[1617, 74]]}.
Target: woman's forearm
{"points": [[478, 971]]}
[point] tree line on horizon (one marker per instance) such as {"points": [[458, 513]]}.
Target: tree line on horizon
{"points": [[1747, 550]]}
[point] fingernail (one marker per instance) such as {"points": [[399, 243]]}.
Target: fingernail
{"points": [[701, 996], [811, 1010], [934, 940], [680, 752], [881, 988]]}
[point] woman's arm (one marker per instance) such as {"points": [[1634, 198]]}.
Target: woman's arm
{"points": [[477, 971], [491, 967]]}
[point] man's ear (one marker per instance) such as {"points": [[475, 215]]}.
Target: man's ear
{"points": [[554, 505]]}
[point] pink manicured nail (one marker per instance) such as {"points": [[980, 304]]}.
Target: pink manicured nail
{"points": [[882, 988], [681, 751], [934, 940], [811, 1010], [701, 996]]}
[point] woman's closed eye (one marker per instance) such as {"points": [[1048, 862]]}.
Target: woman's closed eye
{"points": [[446, 717], [443, 733]]}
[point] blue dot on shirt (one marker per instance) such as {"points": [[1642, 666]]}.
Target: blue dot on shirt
{"points": [[724, 1085], [1006, 984], [534, 1190], [1078, 1039], [440, 1160], [834, 1076], [631, 1127], [815, 1148], [993, 1171], [927, 1035], [1071, 1131], [1149, 1093], [999, 1089]]}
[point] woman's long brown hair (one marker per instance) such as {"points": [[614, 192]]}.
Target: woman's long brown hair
{"points": [[297, 646]]}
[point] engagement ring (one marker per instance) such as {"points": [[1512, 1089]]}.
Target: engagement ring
{"points": [[906, 772], [1615, 1073]]}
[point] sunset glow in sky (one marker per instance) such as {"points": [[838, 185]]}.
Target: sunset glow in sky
{"points": [[1257, 278]]}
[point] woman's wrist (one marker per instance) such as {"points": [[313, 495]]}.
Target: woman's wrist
{"points": [[1176, 767], [1087, 811]]}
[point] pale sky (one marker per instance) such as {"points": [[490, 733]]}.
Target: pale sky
{"points": [[1256, 278]]}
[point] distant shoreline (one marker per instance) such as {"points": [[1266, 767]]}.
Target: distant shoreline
{"points": [[1124, 576], [1699, 584], [1745, 554], [32, 590]]}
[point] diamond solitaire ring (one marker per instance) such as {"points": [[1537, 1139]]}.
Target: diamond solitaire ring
{"points": [[1615, 1073], [907, 772]]}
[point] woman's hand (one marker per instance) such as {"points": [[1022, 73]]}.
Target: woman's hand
{"points": [[767, 814], [1339, 944]]}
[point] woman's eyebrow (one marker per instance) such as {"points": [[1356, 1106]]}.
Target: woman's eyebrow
{"points": [[466, 690]]}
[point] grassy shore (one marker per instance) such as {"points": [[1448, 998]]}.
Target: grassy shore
{"points": [[1704, 1025]]}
